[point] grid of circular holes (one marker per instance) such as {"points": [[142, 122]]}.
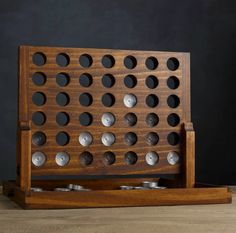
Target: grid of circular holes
{"points": [[130, 138], [130, 119], [173, 101], [85, 99], [131, 158], [62, 79], [62, 59], [108, 100], [109, 158], [152, 82], [86, 158], [130, 62], [108, 80], [62, 99], [173, 119], [85, 80], [130, 100], [85, 60], [173, 82], [38, 118], [62, 138], [152, 138], [152, 101], [152, 119], [173, 63], [39, 138], [39, 98], [62, 118], [39, 59], [130, 81], [85, 119], [173, 138], [151, 63], [39, 78], [108, 61]]}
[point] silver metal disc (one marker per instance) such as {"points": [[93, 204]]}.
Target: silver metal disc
{"points": [[38, 158], [140, 188], [152, 158], [85, 139], [108, 139], [36, 189], [62, 189], [62, 158], [173, 158], [108, 119], [150, 184], [130, 100], [77, 187], [126, 187]]}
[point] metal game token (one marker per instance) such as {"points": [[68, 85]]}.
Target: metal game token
{"points": [[173, 158], [62, 189], [152, 158], [126, 187], [108, 119], [36, 189], [85, 139], [62, 158], [108, 139], [130, 100], [38, 159]]}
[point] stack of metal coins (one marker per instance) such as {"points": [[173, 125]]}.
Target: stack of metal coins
{"points": [[145, 186]]}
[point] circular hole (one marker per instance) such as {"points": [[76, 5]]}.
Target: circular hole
{"points": [[152, 138], [108, 139], [86, 158], [85, 139], [63, 59], [172, 63], [131, 158], [39, 78], [152, 119], [173, 82], [130, 62], [108, 119], [173, 101], [62, 99], [85, 99], [130, 119], [62, 118], [85, 60], [38, 118], [85, 119], [108, 100], [173, 119], [151, 63], [39, 59], [108, 80], [152, 82], [173, 138], [130, 81], [130, 100], [62, 158], [62, 138], [85, 80], [152, 100], [130, 138], [108, 61], [39, 98], [62, 79], [152, 158], [38, 159], [173, 158], [109, 158], [39, 138]]}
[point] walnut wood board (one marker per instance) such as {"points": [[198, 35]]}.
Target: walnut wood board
{"points": [[72, 88]]}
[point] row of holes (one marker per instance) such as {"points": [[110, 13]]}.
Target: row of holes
{"points": [[108, 100], [108, 61], [107, 119], [62, 138], [108, 80]]}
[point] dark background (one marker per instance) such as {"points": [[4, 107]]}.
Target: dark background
{"points": [[206, 28]]}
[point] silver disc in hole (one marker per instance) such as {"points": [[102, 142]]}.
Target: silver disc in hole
{"points": [[38, 158], [130, 100], [108, 119], [173, 158], [85, 139], [152, 158], [62, 158], [108, 139]]}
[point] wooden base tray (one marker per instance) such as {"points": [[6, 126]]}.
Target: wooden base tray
{"points": [[111, 196]]}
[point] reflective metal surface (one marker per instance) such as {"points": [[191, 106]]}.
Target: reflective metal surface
{"points": [[85, 139], [36, 189], [38, 158], [62, 189], [62, 158], [173, 158], [130, 100], [126, 187], [152, 158], [150, 184], [108, 119], [108, 139]]}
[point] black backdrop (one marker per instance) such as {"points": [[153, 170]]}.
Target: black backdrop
{"points": [[206, 28]]}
